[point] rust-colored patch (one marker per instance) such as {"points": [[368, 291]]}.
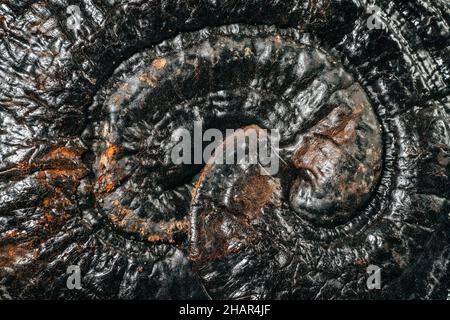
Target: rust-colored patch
{"points": [[122, 212], [109, 171], [124, 86], [311, 156], [198, 183], [256, 194], [213, 243], [61, 152], [323, 11], [11, 234], [23, 167], [154, 238], [111, 151], [357, 187], [126, 220], [345, 131], [159, 63], [170, 227], [107, 157], [248, 52], [325, 144], [319, 8], [46, 202], [148, 79], [93, 81], [40, 86], [228, 229], [41, 176], [11, 253], [109, 186], [221, 147], [59, 172], [60, 163], [60, 204], [48, 217]]}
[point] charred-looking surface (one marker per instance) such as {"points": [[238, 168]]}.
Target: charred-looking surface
{"points": [[86, 176]]}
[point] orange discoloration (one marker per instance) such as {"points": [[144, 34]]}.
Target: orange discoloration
{"points": [[123, 212], [61, 152], [108, 170], [256, 194], [55, 174], [111, 151], [46, 202], [229, 141], [48, 217], [11, 234], [325, 145], [126, 220], [229, 229], [324, 10], [148, 79], [56, 214], [23, 167], [61, 165], [109, 186], [159, 63], [172, 226], [40, 86], [58, 170], [345, 131], [41, 175], [53, 223], [107, 156], [93, 81], [108, 182], [154, 238], [313, 154], [198, 183], [10, 254], [217, 244], [124, 86], [356, 188]]}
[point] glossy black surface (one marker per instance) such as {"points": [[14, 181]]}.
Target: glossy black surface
{"points": [[67, 182]]}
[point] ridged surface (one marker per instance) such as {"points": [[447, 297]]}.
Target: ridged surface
{"points": [[56, 202]]}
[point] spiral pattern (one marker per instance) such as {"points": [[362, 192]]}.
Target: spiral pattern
{"points": [[86, 176]]}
